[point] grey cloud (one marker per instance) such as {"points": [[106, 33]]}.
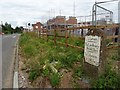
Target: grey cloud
{"points": [[22, 11]]}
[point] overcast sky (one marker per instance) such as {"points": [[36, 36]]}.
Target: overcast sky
{"points": [[20, 12]]}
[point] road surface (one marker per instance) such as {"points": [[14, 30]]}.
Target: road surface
{"points": [[8, 47]]}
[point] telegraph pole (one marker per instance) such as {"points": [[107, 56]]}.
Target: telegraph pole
{"points": [[74, 9], [60, 12]]}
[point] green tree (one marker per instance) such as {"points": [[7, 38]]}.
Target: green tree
{"points": [[18, 29], [7, 29]]}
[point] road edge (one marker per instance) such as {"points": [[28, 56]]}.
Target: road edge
{"points": [[15, 71]]}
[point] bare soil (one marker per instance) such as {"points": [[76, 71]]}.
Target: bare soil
{"points": [[65, 81]]}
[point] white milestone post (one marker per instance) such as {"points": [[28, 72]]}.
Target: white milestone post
{"points": [[92, 50], [95, 53]]}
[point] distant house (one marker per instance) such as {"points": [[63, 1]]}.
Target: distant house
{"points": [[61, 22], [72, 21], [37, 27]]}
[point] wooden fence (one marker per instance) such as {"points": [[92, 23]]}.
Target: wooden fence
{"points": [[68, 33]]}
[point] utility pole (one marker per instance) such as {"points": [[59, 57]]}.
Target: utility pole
{"points": [[60, 12], [74, 8], [49, 14], [54, 12], [119, 12]]}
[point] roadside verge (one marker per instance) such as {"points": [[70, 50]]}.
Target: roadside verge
{"points": [[15, 73]]}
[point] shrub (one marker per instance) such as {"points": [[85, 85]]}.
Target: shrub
{"points": [[119, 53], [51, 37], [46, 72], [115, 57], [55, 79], [50, 43], [24, 39], [78, 72], [33, 75], [108, 80], [62, 40], [30, 51], [79, 43]]}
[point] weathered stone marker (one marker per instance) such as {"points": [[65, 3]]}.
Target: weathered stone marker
{"points": [[94, 53], [92, 49]]}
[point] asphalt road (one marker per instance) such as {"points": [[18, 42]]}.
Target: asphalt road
{"points": [[8, 47]]}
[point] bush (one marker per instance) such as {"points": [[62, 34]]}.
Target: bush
{"points": [[51, 37], [46, 72], [78, 72], [62, 40], [79, 43], [55, 79], [51, 43], [33, 75], [108, 80], [23, 39], [115, 57], [71, 58], [119, 53], [32, 34], [30, 51]]}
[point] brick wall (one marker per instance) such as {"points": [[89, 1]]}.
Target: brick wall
{"points": [[72, 20], [37, 26], [57, 20], [60, 20]]}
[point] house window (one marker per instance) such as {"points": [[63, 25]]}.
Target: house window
{"points": [[36, 27]]}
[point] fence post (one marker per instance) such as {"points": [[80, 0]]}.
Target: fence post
{"points": [[116, 33], [37, 32], [55, 36], [42, 34], [73, 33], [47, 34], [66, 37], [82, 32]]}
